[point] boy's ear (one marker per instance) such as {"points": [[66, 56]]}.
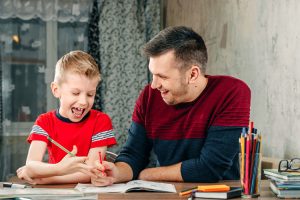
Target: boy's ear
{"points": [[55, 90]]}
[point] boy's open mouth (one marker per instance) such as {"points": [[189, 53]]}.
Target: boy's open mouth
{"points": [[78, 111]]}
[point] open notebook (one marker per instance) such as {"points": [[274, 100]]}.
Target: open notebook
{"points": [[136, 185]]}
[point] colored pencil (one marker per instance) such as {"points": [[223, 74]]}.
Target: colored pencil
{"points": [[60, 146]]}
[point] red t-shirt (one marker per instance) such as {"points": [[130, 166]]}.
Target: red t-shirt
{"points": [[95, 130], [224, 102]]}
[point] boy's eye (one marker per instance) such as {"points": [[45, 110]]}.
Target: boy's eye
{"points": [[90, 95], [75, 93]]}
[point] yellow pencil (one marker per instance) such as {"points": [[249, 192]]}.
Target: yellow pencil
{"points": [[242, 140], [60, 146]]}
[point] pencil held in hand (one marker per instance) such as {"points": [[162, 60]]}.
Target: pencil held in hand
{"points": [[100, 160], [60, 146]]}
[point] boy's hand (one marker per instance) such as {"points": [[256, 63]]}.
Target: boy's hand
{"points": [[69, 164], [23, 174], [106, 174]]}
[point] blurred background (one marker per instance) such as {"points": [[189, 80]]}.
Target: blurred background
{"points": [[256, 41]]}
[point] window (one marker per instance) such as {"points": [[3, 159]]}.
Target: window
{"points": [[23, 56], [29, 52]]}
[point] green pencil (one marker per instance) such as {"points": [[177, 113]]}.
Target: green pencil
{"points": [[60, 146]]}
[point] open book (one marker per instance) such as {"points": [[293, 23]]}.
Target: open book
{"points": [[136, 185]]}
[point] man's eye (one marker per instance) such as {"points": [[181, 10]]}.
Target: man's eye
{"points": [[162, 76]]}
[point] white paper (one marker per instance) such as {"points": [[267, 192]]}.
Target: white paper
{"points": [[31, 192], [126, 187]]}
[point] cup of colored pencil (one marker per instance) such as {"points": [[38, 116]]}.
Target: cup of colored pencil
{"points": [[250, 161]]}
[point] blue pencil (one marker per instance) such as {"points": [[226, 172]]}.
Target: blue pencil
{"points": [[255, 166]]}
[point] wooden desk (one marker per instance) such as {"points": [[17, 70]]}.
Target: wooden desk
{"points": [[266, 193]]}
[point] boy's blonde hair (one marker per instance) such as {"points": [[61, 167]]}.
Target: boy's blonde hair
{"points": [[77, 62]]}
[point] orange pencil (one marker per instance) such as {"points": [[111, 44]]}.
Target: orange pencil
{"points": [[187, 191]]}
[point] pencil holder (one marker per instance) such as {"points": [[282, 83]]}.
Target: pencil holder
{"points": [[250, 174]]}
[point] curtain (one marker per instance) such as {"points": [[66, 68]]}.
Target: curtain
{"points": [[57, 10], [94, 46], [125, 26]]}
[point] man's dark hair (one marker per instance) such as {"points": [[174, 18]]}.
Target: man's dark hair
{"points": [[188, 46]]}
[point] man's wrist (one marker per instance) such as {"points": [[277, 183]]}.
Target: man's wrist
{"points": [[143, 175], [123, 172]]}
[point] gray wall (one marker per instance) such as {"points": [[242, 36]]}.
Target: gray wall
{"points": [[256, 41]]}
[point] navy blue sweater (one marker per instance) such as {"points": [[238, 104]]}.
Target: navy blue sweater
{"points": [[202, 134]]}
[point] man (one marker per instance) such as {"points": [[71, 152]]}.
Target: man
{"points": [[190, 120]]}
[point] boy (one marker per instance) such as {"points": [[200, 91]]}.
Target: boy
{"points": [[74, 125]]}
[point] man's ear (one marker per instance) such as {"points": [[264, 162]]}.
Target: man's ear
{"points": [[55, 89], [194, 73]]}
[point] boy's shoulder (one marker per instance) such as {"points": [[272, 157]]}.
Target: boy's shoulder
{"points": [[49, 114], [98, 114]]}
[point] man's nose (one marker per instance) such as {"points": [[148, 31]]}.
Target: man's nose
{"points": [[155, 83]]}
